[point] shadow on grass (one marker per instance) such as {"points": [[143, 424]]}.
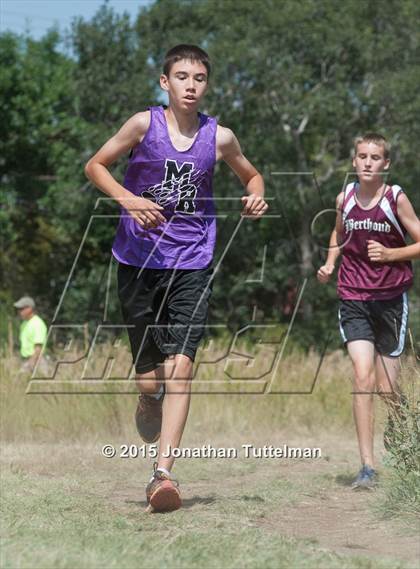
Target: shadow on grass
{"points": [[344, 480], [186, 503], [252, 499]]}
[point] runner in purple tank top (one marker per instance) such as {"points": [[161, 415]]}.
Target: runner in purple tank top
{"points": [[180, 181], [164, 246], [374, 276]]}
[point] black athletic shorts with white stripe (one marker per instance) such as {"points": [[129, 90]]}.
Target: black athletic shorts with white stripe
{"points": [[164, 310], [382, 322]]}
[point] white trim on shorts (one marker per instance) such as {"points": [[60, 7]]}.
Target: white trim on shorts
{"points": [[343, 336], [403, 328]]}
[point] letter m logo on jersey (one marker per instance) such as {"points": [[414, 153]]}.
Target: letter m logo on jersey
{"points": [[181, 177]]}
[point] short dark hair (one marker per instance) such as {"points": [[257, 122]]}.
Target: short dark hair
{"points": [[186, 51], [376, 138]]}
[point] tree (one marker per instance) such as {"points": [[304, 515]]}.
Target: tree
{"points": [[295, 85]]}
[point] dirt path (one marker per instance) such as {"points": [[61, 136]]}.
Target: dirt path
{"points": [[341, 519], [323, 509], [305, 500]]}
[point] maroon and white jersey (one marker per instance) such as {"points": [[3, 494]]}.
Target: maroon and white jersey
{"points": [[359, 278]]}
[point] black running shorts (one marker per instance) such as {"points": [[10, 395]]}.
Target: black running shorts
{"points": [[383, 322], [164, 310]]}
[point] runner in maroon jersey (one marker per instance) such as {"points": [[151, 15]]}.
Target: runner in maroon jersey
{"points": [[374, 276]]}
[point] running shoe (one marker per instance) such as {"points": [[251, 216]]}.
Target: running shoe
{"points": [[163, 493], [149, 417], [366, 478]]}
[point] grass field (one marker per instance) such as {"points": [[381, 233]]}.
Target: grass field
{"points": [[65, 505]]}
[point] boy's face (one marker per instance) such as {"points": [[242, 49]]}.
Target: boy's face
{"points": [[186, 84], [370, 162]]}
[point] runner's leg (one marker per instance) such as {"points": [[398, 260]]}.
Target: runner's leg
{"points": [[150, 383], [175, 406], [387, 371], [362, 354], [187, 305]]}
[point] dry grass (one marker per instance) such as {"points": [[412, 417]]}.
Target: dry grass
{"points": [[284, 399], [64, 505]]}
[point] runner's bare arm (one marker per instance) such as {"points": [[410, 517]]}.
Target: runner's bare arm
{"points": [[411, 222], [325, 272], [145, 212], [229, 150], [128, 136]]}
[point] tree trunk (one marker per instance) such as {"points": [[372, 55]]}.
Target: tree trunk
{"points": [[305, 242]]}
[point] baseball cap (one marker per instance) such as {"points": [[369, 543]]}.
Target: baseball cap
{"points": [[24, 301]]}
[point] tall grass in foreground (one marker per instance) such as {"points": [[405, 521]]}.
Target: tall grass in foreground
{"points": [[228, 411], [401, 485], [222, 404], [218, 406]]}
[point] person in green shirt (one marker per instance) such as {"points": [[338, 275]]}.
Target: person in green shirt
{"points": [[32, 333]]}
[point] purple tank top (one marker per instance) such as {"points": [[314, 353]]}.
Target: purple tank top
{"points": [[359, 278], [179, 181]]}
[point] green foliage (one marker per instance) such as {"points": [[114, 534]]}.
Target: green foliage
{"points": [[295, 85], [399, 493], [402, 484]]}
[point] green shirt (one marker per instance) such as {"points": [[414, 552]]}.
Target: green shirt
{"points": [[33, 331]]}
